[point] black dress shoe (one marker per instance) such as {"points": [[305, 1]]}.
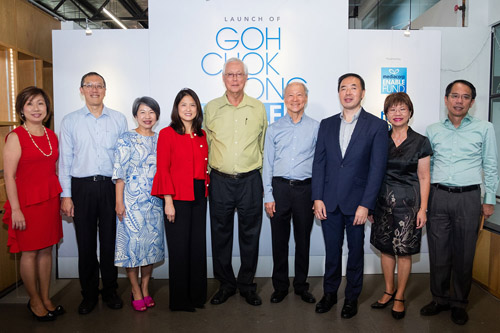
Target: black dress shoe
{"points": [[349, 309], [459, 316], [325, 304], [251, 297], [113, 301], [278, 296], [378, 305], [86, 306], [433, 308], [398, 314], [306, 296], [58, 311], [48, 317], [221, 296]]}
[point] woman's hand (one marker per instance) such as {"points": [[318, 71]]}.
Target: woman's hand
{"points": [[120, 210], [169, 209], [421, 218], [18, 221], [370, 218]]}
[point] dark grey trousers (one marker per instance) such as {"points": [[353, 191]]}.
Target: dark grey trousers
{"points": [[452, 231]]}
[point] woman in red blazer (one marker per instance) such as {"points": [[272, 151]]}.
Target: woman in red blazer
{"points": [[182, 180]]}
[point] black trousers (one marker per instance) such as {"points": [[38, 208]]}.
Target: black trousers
{"points": [[452, 232], [94, 203], [187, 251], [292, 201], [244, 195]]}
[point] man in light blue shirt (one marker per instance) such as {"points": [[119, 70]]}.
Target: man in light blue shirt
{"points": [[288, 157], [86, 146], [464, 149]]}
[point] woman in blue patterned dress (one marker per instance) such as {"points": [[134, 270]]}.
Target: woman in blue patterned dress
{"points": [[140, 228]]}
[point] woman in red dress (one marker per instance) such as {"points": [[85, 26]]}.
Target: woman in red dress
{"points": [[182, 179], [32, 210]]}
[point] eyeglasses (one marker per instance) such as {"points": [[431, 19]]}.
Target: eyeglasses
{"points": [[465, 97], [90, 86], [394, 111], [234, 75]]}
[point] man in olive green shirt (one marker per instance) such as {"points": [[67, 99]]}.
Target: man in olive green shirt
{"points": [[236, 126]]}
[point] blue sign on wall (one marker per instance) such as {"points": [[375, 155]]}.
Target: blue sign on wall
{"points": [[393, 80]]}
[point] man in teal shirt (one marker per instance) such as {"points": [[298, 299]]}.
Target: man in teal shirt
{"points": [[464, 149]]}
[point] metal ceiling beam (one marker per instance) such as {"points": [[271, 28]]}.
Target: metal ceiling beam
{"points": [[59, 5], [134, 9]]}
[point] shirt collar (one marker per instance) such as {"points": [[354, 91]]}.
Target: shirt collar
{"points": [[244, 101], [289, 119], [104, 110], [467, 119], [356, 116]]}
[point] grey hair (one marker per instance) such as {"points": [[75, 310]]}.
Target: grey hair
{"points": [[234, 59], [297, 82]]}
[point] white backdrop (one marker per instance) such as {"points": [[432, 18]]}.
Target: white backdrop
{"points": [[186, 46]]}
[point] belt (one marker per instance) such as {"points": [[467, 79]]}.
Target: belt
{"points": [[456, 189], [96, 178], [293, 182], [236, 175]]}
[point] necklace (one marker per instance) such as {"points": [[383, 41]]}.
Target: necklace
{"points": [[46, 135]]}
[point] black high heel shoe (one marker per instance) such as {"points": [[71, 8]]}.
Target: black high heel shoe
{"points": [[398, 314], [48, 317], [378, 305], [58, 311]]}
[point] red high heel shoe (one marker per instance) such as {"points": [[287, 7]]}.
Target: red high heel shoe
{"points": [[138, 305], [149, 301]]}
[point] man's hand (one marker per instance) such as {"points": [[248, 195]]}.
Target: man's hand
{"points": [[270, 208], [488, 210], [360, 216], [319, 209], [67, 207]]}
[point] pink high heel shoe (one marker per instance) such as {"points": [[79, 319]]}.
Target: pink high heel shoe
{"points": [[149, 301], [138, 305]]}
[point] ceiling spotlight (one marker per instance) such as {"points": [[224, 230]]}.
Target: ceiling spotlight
{"points": [[407, 32], [88, 31]]}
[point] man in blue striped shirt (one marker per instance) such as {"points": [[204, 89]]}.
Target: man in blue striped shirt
{"points": [[288, 157], [464, 149]]}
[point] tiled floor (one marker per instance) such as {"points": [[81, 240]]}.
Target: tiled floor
{"points": [[292, 315]]}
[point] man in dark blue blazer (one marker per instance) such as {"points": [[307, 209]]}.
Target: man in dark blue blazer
{"points": [[348, 169]]}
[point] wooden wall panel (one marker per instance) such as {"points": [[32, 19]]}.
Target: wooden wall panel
{"points": [[481, 272], [8, 26], [34, 30], [494, 283]]}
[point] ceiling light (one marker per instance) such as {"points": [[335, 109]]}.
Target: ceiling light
{"points": [[111, 16], [88, 31]]}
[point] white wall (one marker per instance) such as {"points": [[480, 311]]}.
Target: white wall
{"points": [[167, 57]]}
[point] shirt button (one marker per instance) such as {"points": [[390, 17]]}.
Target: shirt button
{"points": [[201, 146], [194, 134], [206, 158], [236, 142]]}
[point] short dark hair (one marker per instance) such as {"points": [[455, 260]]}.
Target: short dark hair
{"points": [[148, 101], [91, 74], [396, 99], [27, 94], [176, 123], [465, 82], [353, 75]]}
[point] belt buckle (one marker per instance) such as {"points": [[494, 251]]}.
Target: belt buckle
{"points": [[94, 178]]}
